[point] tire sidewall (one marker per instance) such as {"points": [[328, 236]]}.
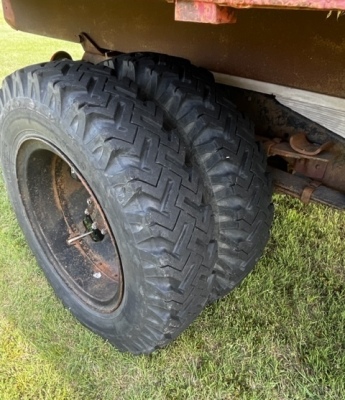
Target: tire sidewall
{"points": [[26, 118]]}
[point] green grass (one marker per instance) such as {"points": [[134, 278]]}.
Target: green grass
{"points": [[280, 335]]}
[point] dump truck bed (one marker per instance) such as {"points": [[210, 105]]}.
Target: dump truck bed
{"points": [[301, 49]]}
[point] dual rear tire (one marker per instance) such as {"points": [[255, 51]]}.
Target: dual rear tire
{"points": [[139, 210]]}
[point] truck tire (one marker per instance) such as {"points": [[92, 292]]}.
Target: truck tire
{"points": [[82, 155], [223, 145]]}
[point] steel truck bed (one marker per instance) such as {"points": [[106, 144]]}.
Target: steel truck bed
{"points": [[301, 49]]}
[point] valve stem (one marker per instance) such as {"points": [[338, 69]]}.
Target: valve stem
{"points": [[76, 238]]}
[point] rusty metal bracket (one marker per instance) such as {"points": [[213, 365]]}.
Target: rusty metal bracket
{"points": [[318, 165], [203, 12], [308, 191], [94, 53], [301, 144], [303, 157], [298, 147], [294, 185]]}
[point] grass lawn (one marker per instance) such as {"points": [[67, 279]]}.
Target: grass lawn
{"points": [[280, 335]]}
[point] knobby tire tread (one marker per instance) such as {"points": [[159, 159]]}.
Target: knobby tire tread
{"points": [[145, 169], [222, 142]]}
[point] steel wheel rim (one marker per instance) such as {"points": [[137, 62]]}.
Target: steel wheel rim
{"points": [[61, 207]]}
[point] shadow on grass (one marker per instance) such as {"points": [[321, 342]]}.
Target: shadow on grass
{"points": [[280, 335]]}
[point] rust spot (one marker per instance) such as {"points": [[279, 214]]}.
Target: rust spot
{"points": [[65, 189], [8, 13], [203, 12], [323, 163]]}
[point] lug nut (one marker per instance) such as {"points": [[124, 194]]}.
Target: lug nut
{"points": [[74, 174]]}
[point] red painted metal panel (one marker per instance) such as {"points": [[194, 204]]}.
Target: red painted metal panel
{"points": [[8, 12], [301, 49], [290, 4], [204, 12], [223, 11]]}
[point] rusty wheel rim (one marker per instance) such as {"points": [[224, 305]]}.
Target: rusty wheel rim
{"points": [[70, 225]]}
